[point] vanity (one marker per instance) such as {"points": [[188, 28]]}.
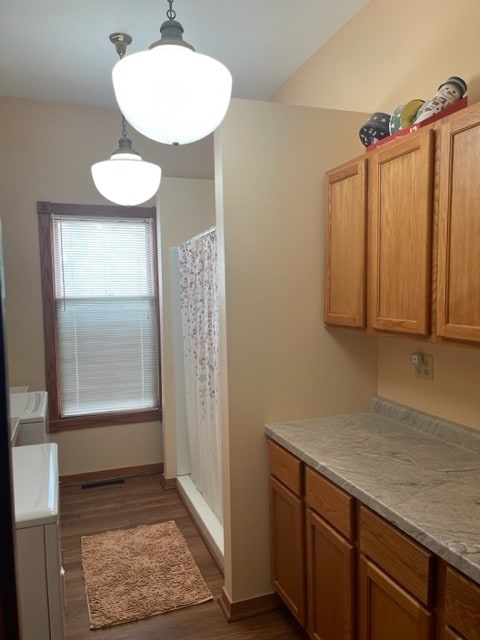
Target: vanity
{"points": [[375, 525]]}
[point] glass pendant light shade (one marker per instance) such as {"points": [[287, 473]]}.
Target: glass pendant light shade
{"points": [[172, 94], [126, 179]]}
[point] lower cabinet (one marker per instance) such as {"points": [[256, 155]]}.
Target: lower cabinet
{"points": [[287, 545], [330, 582], [462, 606], [348, 574], [395, 590], [387, 610], [287, 529], [451, 635], [330, 559]]}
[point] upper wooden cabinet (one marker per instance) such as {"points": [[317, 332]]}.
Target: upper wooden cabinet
{"points": [[420, 269], [458, 277], [400, 220], [345, 244]]}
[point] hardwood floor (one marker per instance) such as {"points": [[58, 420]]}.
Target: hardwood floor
{"points": [[142, 500]]}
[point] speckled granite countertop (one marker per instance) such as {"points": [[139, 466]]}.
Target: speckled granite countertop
{"points": [[419, 472]]}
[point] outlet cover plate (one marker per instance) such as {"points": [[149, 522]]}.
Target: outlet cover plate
{"points": [[425, 370]]}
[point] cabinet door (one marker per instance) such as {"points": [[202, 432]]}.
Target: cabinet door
{"points": [[330, 580], [458, 277], [287, 535], [345, 244], [388, 611], [400, 221], [462, 604]]}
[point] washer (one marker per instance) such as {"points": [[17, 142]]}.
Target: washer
{"points": [[31, 409], [40, 575]]}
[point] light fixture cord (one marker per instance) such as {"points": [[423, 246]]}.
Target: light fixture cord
{"points": [[171, 14]]}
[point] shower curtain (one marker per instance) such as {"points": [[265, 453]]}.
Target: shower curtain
{"points": [[199, 314]]}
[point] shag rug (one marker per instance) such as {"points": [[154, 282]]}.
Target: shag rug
{"points": [[136, 573]]}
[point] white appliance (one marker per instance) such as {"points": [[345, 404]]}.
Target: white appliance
{"points": [[39, 566], [19, 389], [31, 409]]}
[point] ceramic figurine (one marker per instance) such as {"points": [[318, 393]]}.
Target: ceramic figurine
{"points": [[375, 128], [395, 123], [404, 115], [449, 92]]}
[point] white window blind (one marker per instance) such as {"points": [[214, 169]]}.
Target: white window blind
{"points": [[105, 300]]}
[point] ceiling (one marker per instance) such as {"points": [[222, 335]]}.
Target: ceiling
{"points": [[58, 50]]}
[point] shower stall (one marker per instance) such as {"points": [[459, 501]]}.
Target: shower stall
{"points": [[196, 366]]}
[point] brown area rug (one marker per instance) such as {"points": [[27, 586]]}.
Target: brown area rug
{"points": [[136, 573]]}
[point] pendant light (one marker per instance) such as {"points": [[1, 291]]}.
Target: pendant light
{"points": [[170, 93], [125, 178]]}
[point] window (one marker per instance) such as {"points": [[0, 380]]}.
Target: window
{"points": [[100, 301]]}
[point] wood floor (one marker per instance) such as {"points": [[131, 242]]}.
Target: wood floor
{"points": [[142, 500]]}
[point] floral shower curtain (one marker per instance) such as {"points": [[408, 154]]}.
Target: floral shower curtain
{"points": [[199, 313]]}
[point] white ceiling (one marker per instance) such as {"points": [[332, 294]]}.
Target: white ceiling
{"points": [[59, 50]]}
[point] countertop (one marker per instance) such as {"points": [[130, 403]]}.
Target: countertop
{"points": [[420, 472]]}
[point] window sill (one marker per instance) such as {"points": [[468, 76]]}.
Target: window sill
{"points": [[103, 420]]}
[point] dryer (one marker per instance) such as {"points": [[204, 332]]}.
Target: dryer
{"points": [[40, 575], [31, 409]]}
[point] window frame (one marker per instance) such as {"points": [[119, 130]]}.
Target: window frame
{"points": [[45, 212]]}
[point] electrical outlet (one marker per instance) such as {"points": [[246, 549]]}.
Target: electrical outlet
{"points": [[425, 369]]}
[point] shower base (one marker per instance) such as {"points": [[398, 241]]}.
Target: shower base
{"points": [[205, 519]]}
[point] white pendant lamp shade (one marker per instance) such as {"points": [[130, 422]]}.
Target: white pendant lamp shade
{"points": [[126, 179], [172, 94]]}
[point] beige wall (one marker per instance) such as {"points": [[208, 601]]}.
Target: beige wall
{"points": [[282, 362], [370, 66], [390, 53], [454, 392], [47, 150], [113, 447], [185, 208]]}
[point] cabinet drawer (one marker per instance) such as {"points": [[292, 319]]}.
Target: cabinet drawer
{"points": [[329, 501], [462, 605], [403, 559], [286, 467]]}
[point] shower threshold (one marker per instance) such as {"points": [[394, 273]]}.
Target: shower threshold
{"points": [[205, 519]]}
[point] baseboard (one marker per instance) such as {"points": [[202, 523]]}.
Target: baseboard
{"points": [[234, 611], [111, 474], [168, 483]]}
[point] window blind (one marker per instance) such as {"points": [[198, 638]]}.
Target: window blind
{"points": [[105, 299]]}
